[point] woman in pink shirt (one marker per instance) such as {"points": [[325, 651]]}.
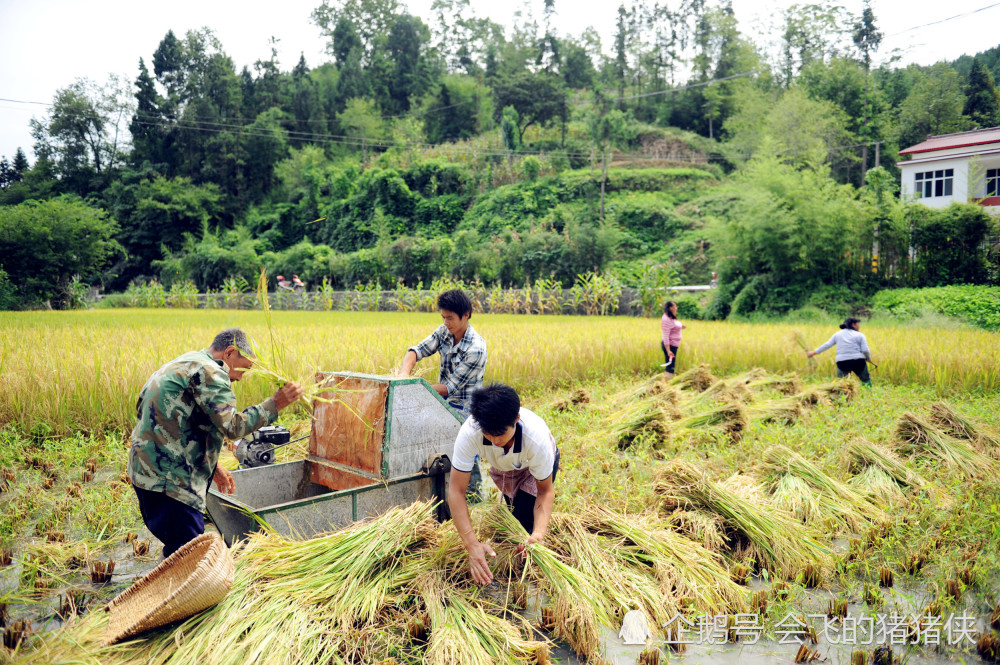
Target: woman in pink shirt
{"points": [[671, 329]]}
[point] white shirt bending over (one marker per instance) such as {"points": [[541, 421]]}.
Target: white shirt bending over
{"points": [[531, 456]]}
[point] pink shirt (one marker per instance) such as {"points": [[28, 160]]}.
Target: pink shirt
{"points": [[671, 331]]}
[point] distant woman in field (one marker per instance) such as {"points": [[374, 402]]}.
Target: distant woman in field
{"points": [[671, 329], [852, 350]]}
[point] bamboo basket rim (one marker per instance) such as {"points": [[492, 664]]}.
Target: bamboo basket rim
{"points": [[192, 579]]}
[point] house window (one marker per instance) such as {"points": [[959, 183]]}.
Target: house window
{"points": [[933, 183], [992, 182]]}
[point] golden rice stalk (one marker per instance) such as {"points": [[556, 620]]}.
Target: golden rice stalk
{"points": [[682, 566], [700, 527], [794, 495], [876, 482], [847, 387], [918, 437], [577, 606], [785, 411], [642, 421], [955, 424], [463, 631], [862, 453], [733, 390], [622, 587], [834, 499], [697, 378], [730, 418], [786, 384], [777, 541]]}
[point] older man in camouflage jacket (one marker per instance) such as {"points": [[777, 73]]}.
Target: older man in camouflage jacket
{"points": [[185, 411]]}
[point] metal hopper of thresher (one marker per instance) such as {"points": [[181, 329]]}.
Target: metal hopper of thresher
{"points": [[381, 442]]}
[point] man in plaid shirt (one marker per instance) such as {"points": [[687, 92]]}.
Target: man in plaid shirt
{"points": [[463, 351]]}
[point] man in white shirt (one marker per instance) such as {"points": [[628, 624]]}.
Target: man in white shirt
{"points": [[523, 460]]}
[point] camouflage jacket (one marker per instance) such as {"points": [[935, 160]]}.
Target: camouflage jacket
{"points": [[184, 412]]}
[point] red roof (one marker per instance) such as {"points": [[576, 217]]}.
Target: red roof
{"points": [[959, 140]]}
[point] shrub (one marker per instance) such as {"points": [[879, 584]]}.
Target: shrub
{"points": [[978, 305]]}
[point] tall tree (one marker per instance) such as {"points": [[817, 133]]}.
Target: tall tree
{"points": [[405, 46], [537, 98], [934, 106], [866, 38], [621, 57], [982, 102], [148, 125], [372, 21]]}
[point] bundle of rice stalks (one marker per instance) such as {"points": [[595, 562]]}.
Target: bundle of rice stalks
{"points": [[954, 424], [729, 418], [785, 411], [580, 396], [786, 384], [918, 437], [809, 397], [639, 422], [877, 484], [834, 500], [353, 573], [697, 378], [794, 495], [847, 388], [463, 631], [727, 390], [862, 454], [768, 535], [699, 526], [621, 587], [683, 568], [576, 603]]}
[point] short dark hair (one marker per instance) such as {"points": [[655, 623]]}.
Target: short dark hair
{"points": [[495, 407], [666, 308], [849, 323], [456, 301], [233, 337]]}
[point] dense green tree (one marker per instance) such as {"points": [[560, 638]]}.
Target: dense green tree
{"points": [[46, 244], [409, 74], [538, 99], [982, 101], [20, 163], [155, 213], [452, 114], [577, 68], [867, 38], [811, 32], [148, 127], [934, 106], [371, 21]]}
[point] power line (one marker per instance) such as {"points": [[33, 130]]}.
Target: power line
{"points": [[945, 20]]}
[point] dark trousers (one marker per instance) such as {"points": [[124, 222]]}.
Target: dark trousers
{"points": [[858, 366], [523, 504], [173, 522], [671, 363]]}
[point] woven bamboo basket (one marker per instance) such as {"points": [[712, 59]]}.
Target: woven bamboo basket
{"points": [[190, 580]]}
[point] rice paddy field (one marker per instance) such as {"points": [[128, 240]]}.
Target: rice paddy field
{"points": [[753, 485]]}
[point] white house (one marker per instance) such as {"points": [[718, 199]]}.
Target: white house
{"points": [[960, 167]]}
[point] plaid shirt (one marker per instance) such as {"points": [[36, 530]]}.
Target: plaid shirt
{"points": [[462, 365]]}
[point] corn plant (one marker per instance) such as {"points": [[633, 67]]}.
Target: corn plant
{"points": [[233, 289], [324, 296], [183, 294]]}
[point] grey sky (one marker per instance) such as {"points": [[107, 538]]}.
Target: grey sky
{"points": [[46, 44]]}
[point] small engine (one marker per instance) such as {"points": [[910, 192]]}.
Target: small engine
{"points": [[258, 448]]}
